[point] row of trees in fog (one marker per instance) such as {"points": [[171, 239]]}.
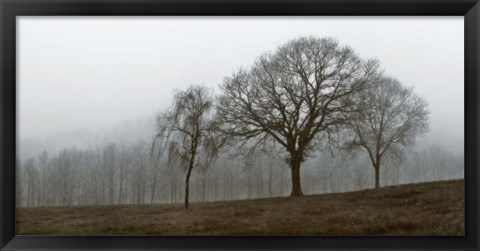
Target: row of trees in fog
{"points": [[309, 97], [86, 177], [309, 94]]}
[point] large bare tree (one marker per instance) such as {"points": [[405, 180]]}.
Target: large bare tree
{"points": [[186, 126], [293, 98], [388, 117]]}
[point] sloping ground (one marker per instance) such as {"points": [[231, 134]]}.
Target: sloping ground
{"points": [[435, 208]]}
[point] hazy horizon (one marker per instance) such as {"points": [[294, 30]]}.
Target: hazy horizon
{"points": [[94, 74]]}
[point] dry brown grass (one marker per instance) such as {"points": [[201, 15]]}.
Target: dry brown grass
{"points": [[435, 208]]}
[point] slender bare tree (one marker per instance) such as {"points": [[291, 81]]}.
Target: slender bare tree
{"points": [[19, 182], [388, 117], [65, 176], [31, 175], [293, 98], [139, 166], [186, 126], [156, 156], [43, 164], [110, 158], [123, 163]]}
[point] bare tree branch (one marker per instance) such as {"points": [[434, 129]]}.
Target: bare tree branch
{"points": [[388, 118], [293, 96]]}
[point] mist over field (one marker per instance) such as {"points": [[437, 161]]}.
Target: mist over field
{"points": [[169, 110], [108, 71]]}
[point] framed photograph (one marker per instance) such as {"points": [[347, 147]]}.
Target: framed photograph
{"points": [[239, 125]]}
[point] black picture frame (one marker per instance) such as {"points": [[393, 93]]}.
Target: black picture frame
{"points": [[10, 9]]}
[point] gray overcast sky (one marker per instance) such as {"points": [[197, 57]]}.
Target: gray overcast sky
{"points": [[91, 72]]}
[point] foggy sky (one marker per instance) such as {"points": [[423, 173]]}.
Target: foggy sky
{"points": [[95, 72]]}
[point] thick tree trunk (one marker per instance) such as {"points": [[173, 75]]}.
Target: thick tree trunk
{"points": [[377, 176], [295, 163], [187, 181]]}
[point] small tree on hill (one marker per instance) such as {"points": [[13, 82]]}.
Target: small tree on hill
{"points": [[388, 117], [186, 128]]}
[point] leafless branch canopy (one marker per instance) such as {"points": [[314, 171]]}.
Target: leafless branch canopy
{"points": [[387, 118], [186, 127], [293, 95]]}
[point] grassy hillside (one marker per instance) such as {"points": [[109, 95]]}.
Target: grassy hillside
{"points": [[435, 208]]}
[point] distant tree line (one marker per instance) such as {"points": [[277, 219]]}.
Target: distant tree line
{"points": [[84, 177], [310, 97]]}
